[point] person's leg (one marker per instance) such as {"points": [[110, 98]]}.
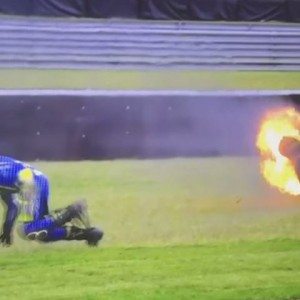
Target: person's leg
{"points": [[54, 234], [72, 233], [50, 228], [43, 224], [40, 221], [69, 233], [51, 224], [40, 208]]}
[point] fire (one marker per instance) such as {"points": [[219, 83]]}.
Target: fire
{"points": [[275, 168]]}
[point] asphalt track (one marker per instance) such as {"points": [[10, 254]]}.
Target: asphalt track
{"points": [[133, 124], [122, 44]]}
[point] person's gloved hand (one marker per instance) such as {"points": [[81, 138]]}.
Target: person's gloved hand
{"points": [[5, 239]]}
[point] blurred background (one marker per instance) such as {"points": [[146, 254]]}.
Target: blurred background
{"points": [[165, 98], [150, 109], [143, 78]]}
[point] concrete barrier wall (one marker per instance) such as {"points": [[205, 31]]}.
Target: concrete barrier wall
{"points": [[103, 127]]}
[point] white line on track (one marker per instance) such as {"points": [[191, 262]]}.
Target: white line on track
{"points": [[143, 93]]}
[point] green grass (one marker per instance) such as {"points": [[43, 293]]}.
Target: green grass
{"points": [[174, 229], [145, 80], [260, 270]]}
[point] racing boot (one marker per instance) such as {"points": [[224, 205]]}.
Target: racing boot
{"points": [[91, 235], [75, 210]]}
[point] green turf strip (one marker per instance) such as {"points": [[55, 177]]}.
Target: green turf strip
{"points": [[206, 228], [146, 80], [233, 271], [176, 201]]}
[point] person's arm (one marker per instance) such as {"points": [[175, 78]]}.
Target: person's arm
{"points": [[9, 219]]}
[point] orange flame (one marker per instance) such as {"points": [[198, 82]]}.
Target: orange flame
{"points": [[275, 168]]}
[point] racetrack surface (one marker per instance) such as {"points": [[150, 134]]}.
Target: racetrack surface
{"points": [[93, 44], [206, 228]]}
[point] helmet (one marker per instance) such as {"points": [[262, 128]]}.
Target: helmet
{"points": [[26, 177]]}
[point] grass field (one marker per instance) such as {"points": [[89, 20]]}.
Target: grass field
{"points": [[147, 79], [174, 229]]}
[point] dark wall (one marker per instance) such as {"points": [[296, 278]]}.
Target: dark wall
{"points": [[17, 7], [214, 10], [112, 8], [63, 128], [74, 8], [231, 10], [164, 10]]}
